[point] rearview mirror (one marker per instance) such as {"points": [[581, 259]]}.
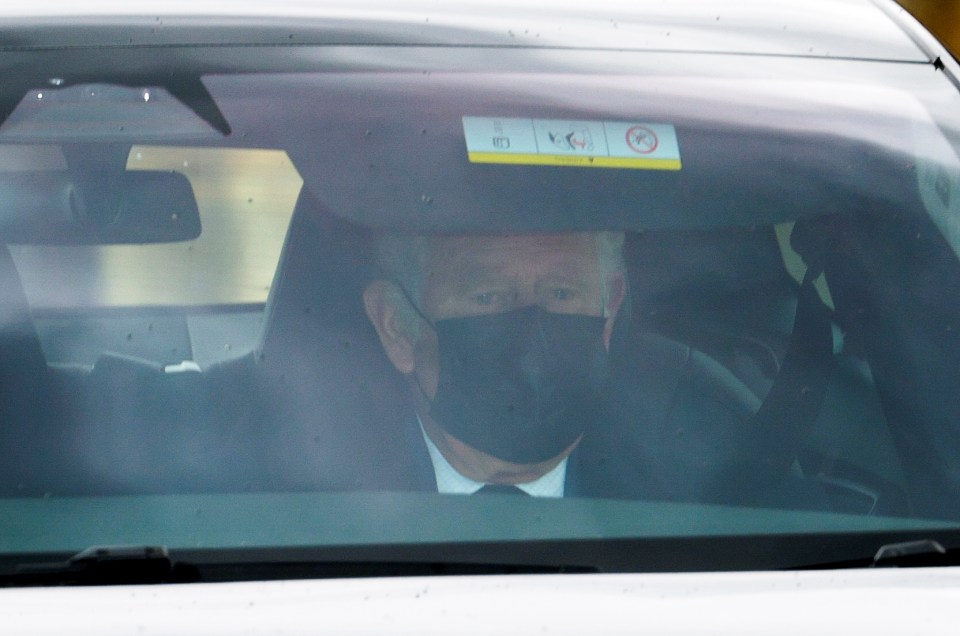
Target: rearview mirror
{"points": [[67, 208]]}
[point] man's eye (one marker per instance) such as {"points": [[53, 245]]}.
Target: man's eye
{"points": [[561, 294], [485, 298]]}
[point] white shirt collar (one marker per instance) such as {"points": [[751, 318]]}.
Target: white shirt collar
{"points": [[449, 481]]}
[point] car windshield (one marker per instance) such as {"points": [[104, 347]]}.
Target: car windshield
{"points": [[317, 295]]}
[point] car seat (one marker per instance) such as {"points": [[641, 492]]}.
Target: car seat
{"points": [[726, 292], [331, 406]]}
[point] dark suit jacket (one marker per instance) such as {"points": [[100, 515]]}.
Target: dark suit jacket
{"points": [[592, 471], [674, 427]]}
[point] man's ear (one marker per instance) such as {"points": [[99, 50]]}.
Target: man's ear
{"points": [[617, 291], [379, 300]]}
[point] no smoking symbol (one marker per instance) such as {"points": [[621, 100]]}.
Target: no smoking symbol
{"points": [[642, 140]]}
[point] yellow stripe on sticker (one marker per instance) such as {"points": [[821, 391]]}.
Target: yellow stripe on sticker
{"points": [[566, 160], [565, 142]]}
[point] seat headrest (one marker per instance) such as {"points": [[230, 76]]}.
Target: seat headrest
{"points": [[333, 398]]}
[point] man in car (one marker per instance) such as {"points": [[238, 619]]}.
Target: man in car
{"points": [[503, 343]]}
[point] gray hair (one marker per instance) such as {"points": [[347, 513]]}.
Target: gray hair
{"points": [[610, 255], [402, 258]]}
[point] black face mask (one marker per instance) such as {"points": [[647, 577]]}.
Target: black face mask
{"points": [[521, 385]]}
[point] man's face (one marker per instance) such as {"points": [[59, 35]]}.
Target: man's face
{"points": [[475, 275], [466, 276]]}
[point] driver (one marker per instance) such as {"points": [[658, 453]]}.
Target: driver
{"points": [[503, 343]]}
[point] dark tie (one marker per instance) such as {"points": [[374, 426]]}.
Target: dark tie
{"points": [[501, 489]]}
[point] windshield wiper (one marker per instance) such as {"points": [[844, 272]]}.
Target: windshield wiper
{"points": [[105, 565], [923, 553], [139, 565], [915, 554]]}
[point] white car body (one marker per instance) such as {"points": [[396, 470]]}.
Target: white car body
{"points": [[873, 601], [883, 601]]}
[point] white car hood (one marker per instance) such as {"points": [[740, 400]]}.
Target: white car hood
{"points": [[881, 601]]}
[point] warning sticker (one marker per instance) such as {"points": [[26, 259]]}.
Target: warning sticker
{"points": [[569, 142]]}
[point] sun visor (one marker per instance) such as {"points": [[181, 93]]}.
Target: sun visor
{"points": [[482, 152]]}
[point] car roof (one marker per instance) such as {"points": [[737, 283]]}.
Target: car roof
{"points": [[853, 29]]}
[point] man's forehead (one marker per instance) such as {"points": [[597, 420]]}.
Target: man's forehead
{"points": [[502, 248]]}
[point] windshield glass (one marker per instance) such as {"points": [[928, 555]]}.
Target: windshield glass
{"points": [[328, 296]]}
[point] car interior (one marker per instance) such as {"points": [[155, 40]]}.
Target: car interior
{"points": [[712, 316]]}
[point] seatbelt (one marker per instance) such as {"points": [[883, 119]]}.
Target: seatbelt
{"points": [[771, 440], [786, 417]]}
